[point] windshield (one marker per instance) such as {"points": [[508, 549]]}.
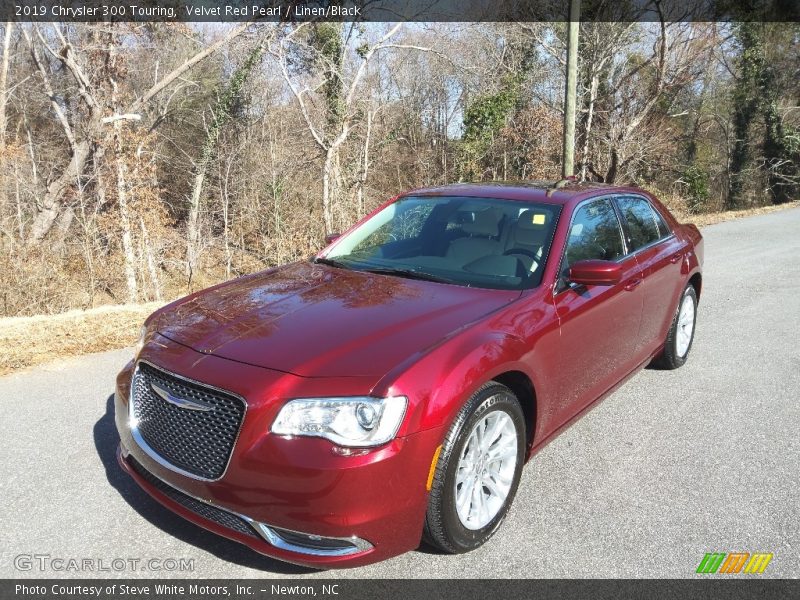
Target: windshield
{"points": [[477, 242]]}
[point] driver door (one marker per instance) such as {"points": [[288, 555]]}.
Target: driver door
{"points": [[599, 324]]}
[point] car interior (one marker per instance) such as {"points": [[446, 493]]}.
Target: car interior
{"points": [[503, 240], [492, 241]]}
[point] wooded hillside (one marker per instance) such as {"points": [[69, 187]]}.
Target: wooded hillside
{"points": [[142, 161]]}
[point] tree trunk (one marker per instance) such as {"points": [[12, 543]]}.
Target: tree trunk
{"points": [[32, 155], [225, 222], [193, 223], [20, 222], [127, 238], [62, 226], [327, 173], [4, 83], [362, 180], [151, 263], [613, 167], [51, 205], [124, 213], [588, 127]]}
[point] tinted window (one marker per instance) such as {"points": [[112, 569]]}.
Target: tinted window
{"points": [[594, 234], [642, 222], [662, 226]]}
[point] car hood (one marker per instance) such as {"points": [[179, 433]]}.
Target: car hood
{"points": [[319, 321]]}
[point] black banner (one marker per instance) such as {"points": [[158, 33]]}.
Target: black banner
{"points": [[395, 10], [729, 588]]}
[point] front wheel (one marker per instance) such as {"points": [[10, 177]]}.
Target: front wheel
{"points": [[478, 471], [681, 332]]}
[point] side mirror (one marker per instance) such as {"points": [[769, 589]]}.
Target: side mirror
{"points": [[332, 237], [595, 272]]}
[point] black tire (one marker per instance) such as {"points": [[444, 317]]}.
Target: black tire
{"points": [[671, 358], [443, 528]]}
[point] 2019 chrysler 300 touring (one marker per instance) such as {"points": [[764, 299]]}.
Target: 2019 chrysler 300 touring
{"points": [[337, 411]]}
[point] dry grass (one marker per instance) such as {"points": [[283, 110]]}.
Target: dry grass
{"points": [[706, 219], [29, 341]]}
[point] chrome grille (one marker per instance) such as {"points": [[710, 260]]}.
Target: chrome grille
{"points": [[196, 442]]}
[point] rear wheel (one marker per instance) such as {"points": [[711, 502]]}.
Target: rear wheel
{"points": [[478, 471], [681, 333]]}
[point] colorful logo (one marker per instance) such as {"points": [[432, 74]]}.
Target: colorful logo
{"points": [[736, 562]]}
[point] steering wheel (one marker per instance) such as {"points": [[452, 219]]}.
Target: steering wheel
{"points": [[524, 252]]}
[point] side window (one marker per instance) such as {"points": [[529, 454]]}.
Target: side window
{"points": [[643, 222], [663, 229], [594, 233]]}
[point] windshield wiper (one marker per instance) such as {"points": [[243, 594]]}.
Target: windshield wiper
{"points": [[408, 274], [321, 260]]}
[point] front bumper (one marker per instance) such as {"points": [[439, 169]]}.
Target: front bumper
{"points": [[239, 527], [295, 499]]}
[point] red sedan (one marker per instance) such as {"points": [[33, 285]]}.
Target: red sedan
{"points": [[338, 411]]}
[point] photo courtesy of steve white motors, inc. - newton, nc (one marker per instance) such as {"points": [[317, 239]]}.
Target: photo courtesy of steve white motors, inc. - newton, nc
{"points": [[164, 589], [399, 298]]}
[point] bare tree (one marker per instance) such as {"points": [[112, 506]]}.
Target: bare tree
{"points": [[8, 29], [344, 71], [81, 148], [221, 113]]}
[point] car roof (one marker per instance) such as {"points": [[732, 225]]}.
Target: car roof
{"points": [[550, 192]]}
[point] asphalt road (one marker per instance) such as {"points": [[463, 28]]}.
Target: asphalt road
{"points": [[673, 465]]}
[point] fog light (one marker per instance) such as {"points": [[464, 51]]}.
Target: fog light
{"points": [[340, 451]]}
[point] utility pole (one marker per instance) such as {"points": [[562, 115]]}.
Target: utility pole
{"points": [[568, 167]]}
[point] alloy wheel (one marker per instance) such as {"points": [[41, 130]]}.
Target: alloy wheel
{"points": [[685, 326], [485, 470]]}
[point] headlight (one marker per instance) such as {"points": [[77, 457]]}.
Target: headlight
{"points": [[354, 422], [140, 343]]}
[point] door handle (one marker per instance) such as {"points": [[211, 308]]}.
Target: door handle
{"points": [[675, 258], [631, 285]]}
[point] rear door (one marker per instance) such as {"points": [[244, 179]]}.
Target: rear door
{"points": [[659, 255], [599, 324]]}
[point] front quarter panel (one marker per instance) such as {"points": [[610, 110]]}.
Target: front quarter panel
{"points": [[520, 338]]}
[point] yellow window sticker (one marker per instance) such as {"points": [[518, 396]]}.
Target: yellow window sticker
{"points": [[538, 219]]}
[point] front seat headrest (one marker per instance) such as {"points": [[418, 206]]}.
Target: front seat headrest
{"points": [[486, 223]]}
